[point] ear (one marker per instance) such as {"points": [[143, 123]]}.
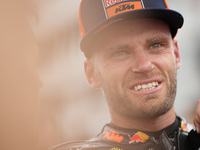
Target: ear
{"points": [[177, 54], [91, 74]]}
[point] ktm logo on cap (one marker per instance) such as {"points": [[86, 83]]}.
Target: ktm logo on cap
{"points": [[123, 7], [138, 137]]}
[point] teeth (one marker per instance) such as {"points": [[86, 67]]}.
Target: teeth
{"points": [[145, 87], [150, 85]]}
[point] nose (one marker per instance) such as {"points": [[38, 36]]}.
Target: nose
{"points": [[142, 63]]}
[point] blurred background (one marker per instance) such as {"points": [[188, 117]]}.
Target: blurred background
{"points": [[68, 108]]}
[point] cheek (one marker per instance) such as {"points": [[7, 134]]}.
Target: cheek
{"points": [[167, 66], [113, 75]]}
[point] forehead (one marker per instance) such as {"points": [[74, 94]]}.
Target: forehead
{"points": [[130, 29]]}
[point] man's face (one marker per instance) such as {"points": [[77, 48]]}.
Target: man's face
{"points": [[135, 63]]}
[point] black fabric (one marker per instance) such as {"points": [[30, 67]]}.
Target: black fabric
{"points": [[194, 140], [115, 138], [154, 4], [169, 130]]}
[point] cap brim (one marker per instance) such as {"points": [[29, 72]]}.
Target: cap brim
{"points": [[171, 17]]}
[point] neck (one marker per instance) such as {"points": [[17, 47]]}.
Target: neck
{"points": [[145, 124]]}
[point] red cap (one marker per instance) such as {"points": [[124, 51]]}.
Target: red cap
{"points": [[97, 14]]}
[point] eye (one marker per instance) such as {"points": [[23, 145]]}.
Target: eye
{"points": [[156, 45], [120, 53]]}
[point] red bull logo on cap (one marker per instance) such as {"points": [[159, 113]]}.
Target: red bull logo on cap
{"points": [[138, 137], [112, 2]]}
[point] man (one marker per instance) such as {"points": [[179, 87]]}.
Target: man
{"points": [[132, 54]]}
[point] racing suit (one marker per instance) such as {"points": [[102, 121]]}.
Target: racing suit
{"points": [[173, 137]]}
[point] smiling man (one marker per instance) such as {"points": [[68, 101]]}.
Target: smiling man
{"points": [[136, 68], [133, 56]]}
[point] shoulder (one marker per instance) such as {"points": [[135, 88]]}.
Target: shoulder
{"points": [[83, 145], [96, 143]]}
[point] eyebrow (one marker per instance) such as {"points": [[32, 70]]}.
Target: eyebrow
{"points": [[156, 38], [119, 47]]}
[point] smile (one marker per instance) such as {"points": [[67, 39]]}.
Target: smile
{"points": [[146, 87]]}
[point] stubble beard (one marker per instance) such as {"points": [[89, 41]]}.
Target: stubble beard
{"points": [[123, 105]]}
